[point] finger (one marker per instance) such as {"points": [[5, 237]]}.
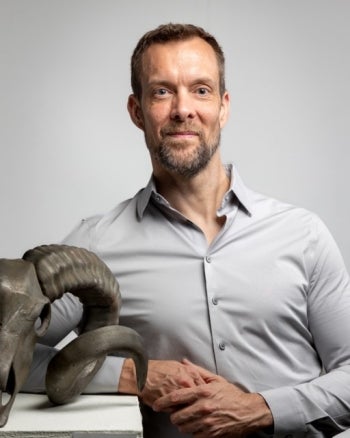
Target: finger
{"points": [[206, 375], [187, 417], [194, 423], [175, 398], [191, 427]]}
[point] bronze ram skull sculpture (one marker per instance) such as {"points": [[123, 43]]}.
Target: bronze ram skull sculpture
{"points": [[28, 286]]}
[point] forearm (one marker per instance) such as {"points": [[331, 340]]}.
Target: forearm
{"points": [[261, 416], [322, 402], [35, 382]]}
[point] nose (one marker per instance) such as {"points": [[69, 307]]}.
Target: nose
{"points": [[182, 106]]}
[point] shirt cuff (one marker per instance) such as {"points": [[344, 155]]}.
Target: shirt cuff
{"points": [[286, 410]]}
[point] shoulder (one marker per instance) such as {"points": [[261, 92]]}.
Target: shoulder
{"points": [[263, 207], [298, 224], [90, 229]]}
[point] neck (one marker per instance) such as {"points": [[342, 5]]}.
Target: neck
{"points": [[197, 198]]}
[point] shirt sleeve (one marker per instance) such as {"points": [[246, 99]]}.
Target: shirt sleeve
{"points": [[66, 313], [323, 403]]}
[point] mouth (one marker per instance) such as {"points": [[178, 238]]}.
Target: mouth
{"points": [[182, 134], [181, 130]]}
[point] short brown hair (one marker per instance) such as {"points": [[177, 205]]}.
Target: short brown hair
{"points": [[172, 32]]}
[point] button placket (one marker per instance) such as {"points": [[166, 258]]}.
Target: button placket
{"points": [[213, 300]]}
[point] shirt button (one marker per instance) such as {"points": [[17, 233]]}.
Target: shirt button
{"points": [[214, 301], [222, 346], [208, 259]]}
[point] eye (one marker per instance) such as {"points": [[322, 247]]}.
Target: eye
{"points": [[160, 92], [202, 91], [43, 321]]}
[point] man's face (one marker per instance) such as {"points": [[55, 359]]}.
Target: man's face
{"points": [[181, 110]]}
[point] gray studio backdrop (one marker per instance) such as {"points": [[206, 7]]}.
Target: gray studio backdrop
{"points": [[69, 150]]}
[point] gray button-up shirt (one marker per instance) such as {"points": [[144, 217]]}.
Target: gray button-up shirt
{"points": [[266, 305]]}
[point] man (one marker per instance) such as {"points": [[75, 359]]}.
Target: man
{"points": [[243, 301]]}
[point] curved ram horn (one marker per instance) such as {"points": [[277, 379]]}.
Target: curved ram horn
{"points": [[63, 268], [89, 350]]}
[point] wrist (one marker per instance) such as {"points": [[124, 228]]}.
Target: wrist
{"points": [[263, 417], [127, 380]]}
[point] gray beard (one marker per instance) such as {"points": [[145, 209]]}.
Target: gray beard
{"points": [[191, 166]]}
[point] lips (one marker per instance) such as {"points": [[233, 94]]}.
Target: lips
{"points": [[182, 133]]}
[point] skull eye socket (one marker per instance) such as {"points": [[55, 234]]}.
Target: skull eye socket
{"points": [[43, 321]]}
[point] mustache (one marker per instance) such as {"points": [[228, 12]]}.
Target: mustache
{"points": [[174, 129]]}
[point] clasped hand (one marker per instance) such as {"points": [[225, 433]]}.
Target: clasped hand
{"points": [[204, 404], [166, 376]]}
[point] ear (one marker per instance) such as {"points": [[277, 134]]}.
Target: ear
{"points": [[135, 111], [224, 109]]}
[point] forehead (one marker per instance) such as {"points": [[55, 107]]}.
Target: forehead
{"points": [[192, 54]]}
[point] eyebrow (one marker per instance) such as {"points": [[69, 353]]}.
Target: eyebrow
{"points": [[201, 80]]}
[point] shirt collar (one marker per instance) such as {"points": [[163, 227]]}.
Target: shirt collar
{"points": [[144, 197], [237, 190]]}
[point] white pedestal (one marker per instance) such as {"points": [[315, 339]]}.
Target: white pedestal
{"points": [[345, 434], [90, 416]]}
